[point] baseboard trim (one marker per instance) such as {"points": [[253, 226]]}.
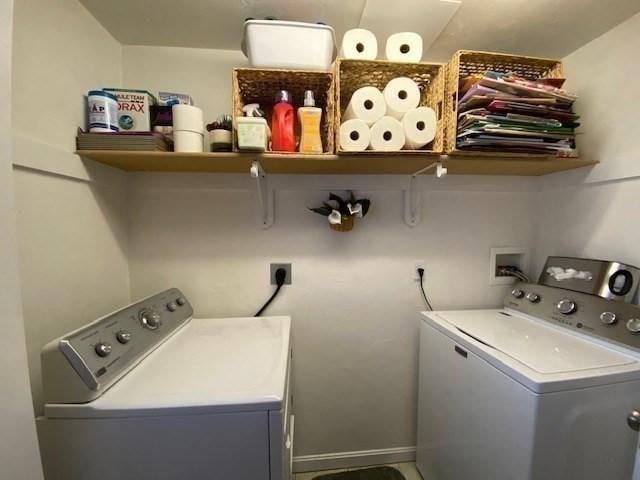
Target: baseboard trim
{"points": [[362, 458]]}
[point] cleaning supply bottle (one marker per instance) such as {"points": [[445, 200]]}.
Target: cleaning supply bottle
{"points": [[252, 131], [282, 137], [309, 116]]}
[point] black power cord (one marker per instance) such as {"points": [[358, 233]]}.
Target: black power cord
{"points": [[424, 294], [281, 276]]}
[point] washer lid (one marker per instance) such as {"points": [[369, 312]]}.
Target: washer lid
{"points": [[210, 365], [543, 357], [543, 349]]}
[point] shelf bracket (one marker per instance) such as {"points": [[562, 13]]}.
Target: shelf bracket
{"points": [[412, 197], [266, 196]]}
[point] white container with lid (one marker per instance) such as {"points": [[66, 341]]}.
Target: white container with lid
{"points": [[295, 45], [103, 112]]}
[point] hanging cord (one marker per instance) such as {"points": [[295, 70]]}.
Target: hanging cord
{"points": [[281, 276], [424, 294], [514, 272]]}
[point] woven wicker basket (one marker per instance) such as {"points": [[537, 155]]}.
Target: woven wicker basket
{"points": [[252, 85], [354, 74], [467, 62], [346, 225]]}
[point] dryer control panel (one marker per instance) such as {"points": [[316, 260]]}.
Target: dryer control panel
{"points": [[606, 319], [81, 365]]}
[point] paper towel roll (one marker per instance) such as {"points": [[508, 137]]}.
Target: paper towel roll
{"points": [[401, 95], [354, 135], [387, 135], [367, 104], [404, 47], [184, 141], [419, 127], [187, 117], [360, 44]]}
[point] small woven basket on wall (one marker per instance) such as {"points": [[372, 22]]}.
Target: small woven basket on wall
{"points": [[253, 85], [353, 74], [346, 225], [467, 62]]}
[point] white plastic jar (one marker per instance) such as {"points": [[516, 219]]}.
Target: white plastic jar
{"points": [[103, 112]]}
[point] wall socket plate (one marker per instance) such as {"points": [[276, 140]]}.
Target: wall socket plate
{"points": [[276, 266], [416, 265]]}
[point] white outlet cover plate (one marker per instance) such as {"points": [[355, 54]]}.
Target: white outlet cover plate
{"points": [[419, 264]]}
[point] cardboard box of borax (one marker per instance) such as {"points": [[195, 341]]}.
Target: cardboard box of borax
{"points": [[133, 109]]}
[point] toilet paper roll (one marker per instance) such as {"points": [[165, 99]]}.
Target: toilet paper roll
{"points": [[419, 127], [354, 135], [187, 117], [367, 104], [185, 141], [359, 44], [387, 135], [404, 47], [401, 95]]}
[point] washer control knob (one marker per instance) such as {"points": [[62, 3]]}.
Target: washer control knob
{"points": [[123, 336], [181, 301], [149, 318], [172, 306], [533, 297], [566, 306], [103, 349], [608, 318], [633, 325], [516, 292]]}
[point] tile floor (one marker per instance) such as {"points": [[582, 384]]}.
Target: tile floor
{"points": [[407, 469]]}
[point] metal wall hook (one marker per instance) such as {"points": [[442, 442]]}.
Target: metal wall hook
{"points": [[412, 198], [266, 196]]}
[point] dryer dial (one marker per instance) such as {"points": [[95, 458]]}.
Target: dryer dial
{"points": [[516, 292], [608, 318], [149, 318], [633, 325], [566, 306], [103, 349]]}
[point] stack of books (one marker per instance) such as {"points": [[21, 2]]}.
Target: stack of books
{"points": [[500, 112], [138, 141]]}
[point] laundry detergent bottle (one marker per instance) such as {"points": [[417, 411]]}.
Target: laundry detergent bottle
{"points": [[282, 119], [310, 116]]}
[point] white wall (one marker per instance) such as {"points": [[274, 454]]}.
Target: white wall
{"points": [[204, 74], [354, 300], [592, 221], [19, 457], [71, 231], [594, 212]]}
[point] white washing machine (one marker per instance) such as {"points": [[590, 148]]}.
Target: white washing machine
{"points": [[150, 393], [545, 389]]}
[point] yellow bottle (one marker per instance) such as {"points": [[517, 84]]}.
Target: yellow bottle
{"points": [[310, 116]]}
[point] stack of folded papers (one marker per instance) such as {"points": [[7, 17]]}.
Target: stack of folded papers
{"points": [[500, 112]]}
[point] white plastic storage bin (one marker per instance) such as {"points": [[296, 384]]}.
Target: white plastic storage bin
{"points": [[293, 45]]}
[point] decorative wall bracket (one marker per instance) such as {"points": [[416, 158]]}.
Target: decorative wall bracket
{"points": [[265, 195], [412, 197]]}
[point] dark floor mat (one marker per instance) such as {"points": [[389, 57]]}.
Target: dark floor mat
{"points": [[376, 473]]}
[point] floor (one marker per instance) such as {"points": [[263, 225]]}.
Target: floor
{"points": [[407, 469]]}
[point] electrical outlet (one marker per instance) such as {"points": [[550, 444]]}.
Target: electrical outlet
{"points": [[419, 264], [276, 266]]}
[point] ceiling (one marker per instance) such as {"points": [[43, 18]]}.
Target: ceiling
{"points": [[548, 28]]}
